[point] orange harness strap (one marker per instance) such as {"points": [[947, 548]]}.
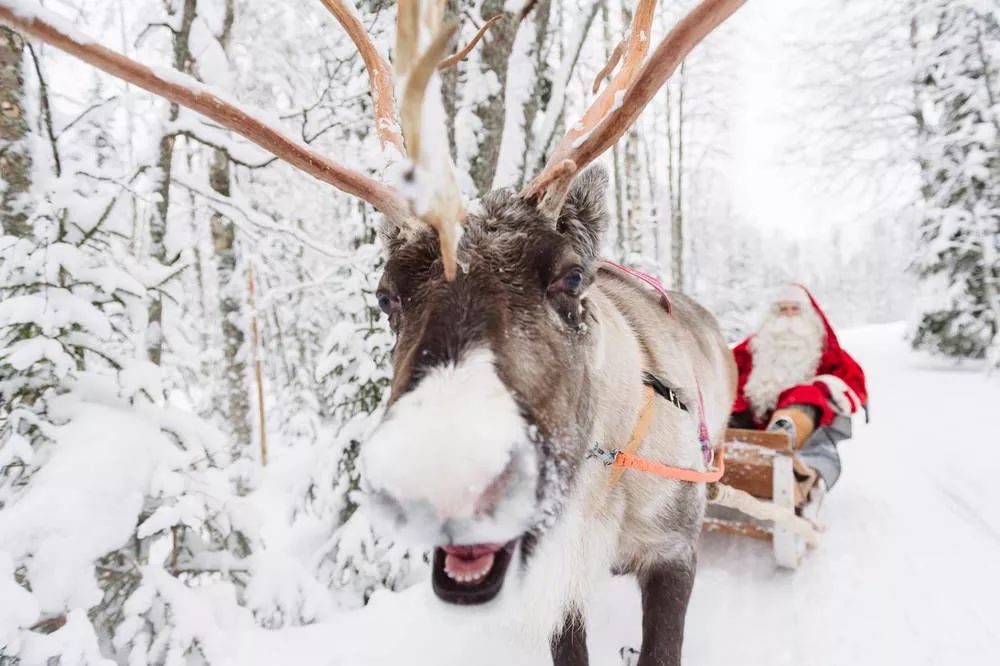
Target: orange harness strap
{"points": [[623, 459], [638, 434]]}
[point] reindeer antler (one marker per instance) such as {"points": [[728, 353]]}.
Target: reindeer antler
{"points": [[611, 114], [431, 184], [379, 79]]}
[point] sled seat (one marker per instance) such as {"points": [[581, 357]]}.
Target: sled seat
{"points": [[776, 441], [750, 464]]}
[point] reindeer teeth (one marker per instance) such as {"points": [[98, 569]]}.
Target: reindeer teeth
{"points": [[468, 572]]}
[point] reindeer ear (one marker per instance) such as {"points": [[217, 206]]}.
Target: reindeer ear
{"points": [[584, 216]]}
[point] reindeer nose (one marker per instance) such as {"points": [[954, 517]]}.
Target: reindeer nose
{"points": [[462, 504], [437, 518], [452, 448], [494, 492]]}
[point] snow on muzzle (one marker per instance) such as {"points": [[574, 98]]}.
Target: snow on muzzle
{"points": [[452, 466]]}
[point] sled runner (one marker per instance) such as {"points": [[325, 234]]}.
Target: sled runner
{"points": [[764, 464]]}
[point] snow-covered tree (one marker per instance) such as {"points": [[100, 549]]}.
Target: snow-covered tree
{"points": [[957, 47]]}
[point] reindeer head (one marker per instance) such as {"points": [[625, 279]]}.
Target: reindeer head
{"points": [[490, 395], [491, 402]]}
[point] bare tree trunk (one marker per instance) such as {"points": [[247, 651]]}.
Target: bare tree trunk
{"points": [[621, 235], [671, 172], [633, 188], [650, 163], [632, 173], [449, 88], [237, 401], [15, 161], [542, 92], [495, 52], [158, 227], [237, 398], [621, 211], [540, 140], [677, 188], [257, 369]]}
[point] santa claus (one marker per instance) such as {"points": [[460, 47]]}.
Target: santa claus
{"points": [[795, 376]]}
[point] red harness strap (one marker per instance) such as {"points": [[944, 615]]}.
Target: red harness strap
{"points": [[645, 277]]}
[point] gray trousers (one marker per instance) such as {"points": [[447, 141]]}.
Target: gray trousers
{"points": [[820, 450]]}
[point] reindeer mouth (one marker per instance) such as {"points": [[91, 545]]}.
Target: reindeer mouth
{"points": [[469, 575]]}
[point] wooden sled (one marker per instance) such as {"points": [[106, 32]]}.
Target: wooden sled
{"points": [[764, 464]]}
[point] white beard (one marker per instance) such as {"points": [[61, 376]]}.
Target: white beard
{"points": [[786, 352]]}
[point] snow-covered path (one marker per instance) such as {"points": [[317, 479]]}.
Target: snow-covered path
{"points": [[906, 573]]}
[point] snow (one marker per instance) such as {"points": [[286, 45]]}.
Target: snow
{"points": [[902, 574], [73, 643], [32, 10], [84, 502], [19, 608], [266, 117], [239, 148], [579, 141], [55, 309], [519, 91], [414, 183], [26, 353]]}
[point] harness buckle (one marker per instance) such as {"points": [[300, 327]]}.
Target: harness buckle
{"points": [[604, 456]]}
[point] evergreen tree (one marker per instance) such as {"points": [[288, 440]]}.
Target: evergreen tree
{"points": [[956, 48]]}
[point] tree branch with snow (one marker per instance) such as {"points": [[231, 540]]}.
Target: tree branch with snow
{"points": [[185, 91]]}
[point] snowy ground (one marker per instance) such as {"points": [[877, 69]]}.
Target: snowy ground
{"points": [[906, 573]]}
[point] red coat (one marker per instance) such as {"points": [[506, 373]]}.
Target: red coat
{"points": [[834, 361]]}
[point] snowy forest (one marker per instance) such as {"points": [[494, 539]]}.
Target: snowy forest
{"points": [[192, 353]]}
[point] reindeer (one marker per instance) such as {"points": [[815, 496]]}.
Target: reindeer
{"points": [[517, 351]]}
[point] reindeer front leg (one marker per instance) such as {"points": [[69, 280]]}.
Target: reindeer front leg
{"points": [[569, 643], [666, 589]]}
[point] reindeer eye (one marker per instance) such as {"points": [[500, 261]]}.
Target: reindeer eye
{"points": [[387, 302], [570, 283], [573, 280]]}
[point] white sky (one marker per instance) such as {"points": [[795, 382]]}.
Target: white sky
{"points": [[767, 192], [771, 191]]}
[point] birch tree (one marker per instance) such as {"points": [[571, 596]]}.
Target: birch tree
{"points": [[15, 164]]}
